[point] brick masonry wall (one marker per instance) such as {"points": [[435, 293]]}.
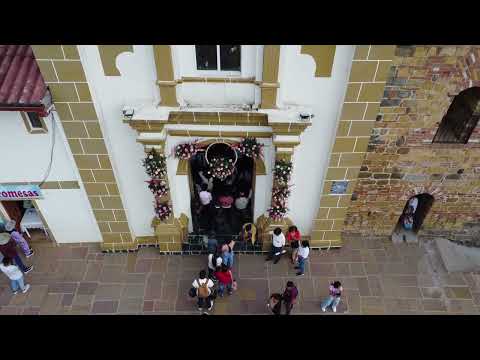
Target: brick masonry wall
{"points": [[401, 160], [62, 70], [366, 83]]}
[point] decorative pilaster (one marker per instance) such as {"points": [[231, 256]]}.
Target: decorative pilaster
{"points": [[165, 76], [269, 83]]}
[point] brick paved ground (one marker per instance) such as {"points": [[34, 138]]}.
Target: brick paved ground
{"points": [[378, 278]]}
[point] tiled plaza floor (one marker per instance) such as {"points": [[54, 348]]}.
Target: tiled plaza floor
{"points": [[378, 278]]}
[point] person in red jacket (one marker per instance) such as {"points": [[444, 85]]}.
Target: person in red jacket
{"points": [[225, 280], [293, 238], [8, 248]]}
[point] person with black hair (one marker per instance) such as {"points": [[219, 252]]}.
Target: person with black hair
{"points": [[14, 274], [293, 238], [214, 261], [225, 280], [275, 303], [335, 292], [278, 242], [303, 252], [289, 297], [204, 286]]}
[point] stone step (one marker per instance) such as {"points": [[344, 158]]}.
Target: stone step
{"points": [[458, 258]]}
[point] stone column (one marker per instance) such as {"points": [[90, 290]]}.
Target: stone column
{"points": [[269, 83]]}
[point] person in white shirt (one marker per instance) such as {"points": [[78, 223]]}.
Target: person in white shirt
{"points": [[214, 261], [278, 242], [413, 203], [303, 252], [204, 287], [205, 195], [14, 274], [241, 202]]}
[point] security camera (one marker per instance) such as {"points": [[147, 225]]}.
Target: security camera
{"points": [[128, 112], [305, 116]]}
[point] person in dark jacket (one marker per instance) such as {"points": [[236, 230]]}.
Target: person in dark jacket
{"points": [[8, 248], [289, 297]]}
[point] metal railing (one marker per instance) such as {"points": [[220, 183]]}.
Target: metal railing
{"points": [[202, 243]]}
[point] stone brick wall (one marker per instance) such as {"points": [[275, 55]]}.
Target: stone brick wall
{"points": [[401, 160]]}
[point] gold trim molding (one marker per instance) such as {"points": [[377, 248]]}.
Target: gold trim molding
{"points": [[108, 56], [165, 77], [323, 56]]}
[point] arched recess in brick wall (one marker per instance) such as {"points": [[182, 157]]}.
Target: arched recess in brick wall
{"points": [[461, 118]]}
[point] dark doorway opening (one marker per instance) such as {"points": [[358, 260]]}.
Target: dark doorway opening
{"points": [[217, 217], [410, 222]]}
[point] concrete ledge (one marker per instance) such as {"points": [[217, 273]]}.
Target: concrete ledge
{"points": [[458, 258]]}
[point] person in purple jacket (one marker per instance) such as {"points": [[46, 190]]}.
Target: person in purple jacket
{"points": [[18, 238]]}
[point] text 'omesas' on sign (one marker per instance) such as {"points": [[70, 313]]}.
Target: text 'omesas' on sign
{"points": [[20, 192]]}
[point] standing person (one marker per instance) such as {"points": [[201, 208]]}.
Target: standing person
{"points": [[212, 242], [413, 204], [293, 238], [204, 291], [205, 195], [333, 299], [225, 280], [275, 303], [18, 238], [8, 248], [14, 274], [278, 242], [303, 252], [290, 296], [214, 261], [227, 255], [226, 200], [241, 202]]}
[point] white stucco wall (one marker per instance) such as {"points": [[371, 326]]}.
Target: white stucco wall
{"points": [[26, 156], [110, 94], [325, 97], [67, 217], [67, 212]]}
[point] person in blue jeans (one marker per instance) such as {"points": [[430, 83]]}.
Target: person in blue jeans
{"points": [[333, 299], [227, 254], [14, 274], [225, 280], [302, 256]]}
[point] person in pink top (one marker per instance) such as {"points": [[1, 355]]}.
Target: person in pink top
{"points": [[335, 292], [18, 238]]}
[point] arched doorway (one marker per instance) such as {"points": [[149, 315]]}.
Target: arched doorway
{"points": [[411, 220]]}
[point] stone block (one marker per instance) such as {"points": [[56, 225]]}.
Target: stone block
{"points": [[363, 71], [94, 130], [343, 128], [83, 91], [71, 52], [63, 92], [64, 112], [352, 92], [74, 129], [352, 159], [329, 201], [343, 145], [361, 128], [337, 213], [354, 111], [382, 52], [94, 146], [83, 111], [112, 202], [336, 173], [361, 52], [371, 92], [69, 70], [95, 189]]}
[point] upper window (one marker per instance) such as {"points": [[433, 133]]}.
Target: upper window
{"points": [[33, 122], [218, 57], [461, 118]]}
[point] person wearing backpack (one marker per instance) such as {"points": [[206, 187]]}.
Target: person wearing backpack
{"points": [[204, 287], [289, 297]]}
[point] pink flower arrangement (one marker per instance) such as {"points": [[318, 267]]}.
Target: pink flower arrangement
{"points": [[185, 151], [280, 194], [163, 211], [158, 187], [250, 147], [277, 212], [221, 168]]}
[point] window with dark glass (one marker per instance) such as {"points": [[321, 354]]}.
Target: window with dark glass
{"points": [[35, 121], [230, 57], [461, 118], [218, 57], [206, 57]]}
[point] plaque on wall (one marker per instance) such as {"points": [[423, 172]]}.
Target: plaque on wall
{"points": [[339, 187]]}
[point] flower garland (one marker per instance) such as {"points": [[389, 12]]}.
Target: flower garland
{"points": [[282, 171], [277, 212], [221, 168], [158, 187], [250, 147], [163, 210], [280, 194], [186, 150], [155, 164], [156, 167]]}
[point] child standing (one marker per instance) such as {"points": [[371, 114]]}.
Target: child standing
{"points": [[333, 299], [225, 280], [18, 238], [303, 252], [293, 238], [14, 274]]}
